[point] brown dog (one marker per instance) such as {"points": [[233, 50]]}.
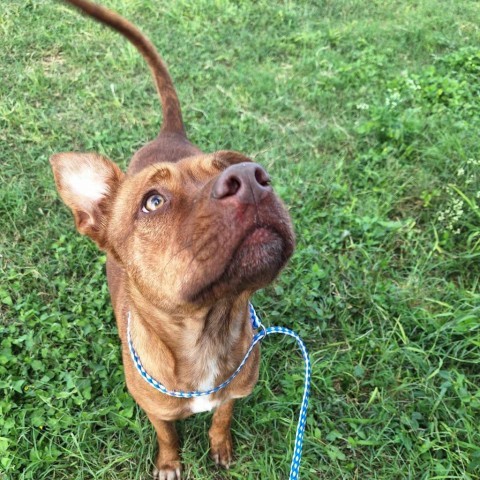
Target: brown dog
{"points": [[189, 237]]}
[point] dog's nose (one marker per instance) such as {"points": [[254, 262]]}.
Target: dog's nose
{"points": [[246, 182]]}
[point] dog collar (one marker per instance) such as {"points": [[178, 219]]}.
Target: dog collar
{"points": [[260, 335], [256, 323]]}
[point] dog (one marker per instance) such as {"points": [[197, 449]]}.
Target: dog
{"points": [[189, 237]]}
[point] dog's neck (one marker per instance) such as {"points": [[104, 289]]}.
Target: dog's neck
{"points": [[191, 344]]}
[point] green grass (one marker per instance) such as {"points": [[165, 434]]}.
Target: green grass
{"points": [[367, 115]]}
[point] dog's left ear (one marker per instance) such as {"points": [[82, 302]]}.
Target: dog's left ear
{"points": [[87, 183]]}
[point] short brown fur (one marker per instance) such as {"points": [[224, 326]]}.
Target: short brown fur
{"points": [[185, 270]]}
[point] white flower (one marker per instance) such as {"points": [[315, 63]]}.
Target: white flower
{"points": [[363, 106], [412, 84]]}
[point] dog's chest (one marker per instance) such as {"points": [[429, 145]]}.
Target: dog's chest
{"points": [[209, 361], [203, 404], [206, 381]]}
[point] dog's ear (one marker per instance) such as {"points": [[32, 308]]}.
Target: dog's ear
{"points": [[87, 183]]}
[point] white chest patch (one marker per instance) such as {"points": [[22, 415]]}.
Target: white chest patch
{"points": [[205, 404]]}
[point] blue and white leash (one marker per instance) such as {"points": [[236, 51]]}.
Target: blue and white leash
{"points": [[256, 324]]}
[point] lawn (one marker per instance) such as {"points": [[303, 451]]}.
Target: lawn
{"points": [[367, 115]]}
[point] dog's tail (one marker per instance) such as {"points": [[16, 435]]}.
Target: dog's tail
{"points": [[172, 114]]}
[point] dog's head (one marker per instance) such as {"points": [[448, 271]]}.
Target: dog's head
{"points": [[189, 232]]}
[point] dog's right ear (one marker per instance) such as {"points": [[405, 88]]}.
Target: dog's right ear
{"points": [[87, 183]]}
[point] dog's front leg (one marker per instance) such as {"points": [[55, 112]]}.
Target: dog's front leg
{"points": [[167, 464], [220, 436]]}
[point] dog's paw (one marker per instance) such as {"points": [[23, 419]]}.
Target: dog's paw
{"points": [[168, 471], [221, 451]]}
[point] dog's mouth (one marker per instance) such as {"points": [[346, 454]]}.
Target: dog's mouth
{"points": [[255, 261], [260, 248], [258, 236]]}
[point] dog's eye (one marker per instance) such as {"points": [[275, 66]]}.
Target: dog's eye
{"points": [[153, 202]]}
